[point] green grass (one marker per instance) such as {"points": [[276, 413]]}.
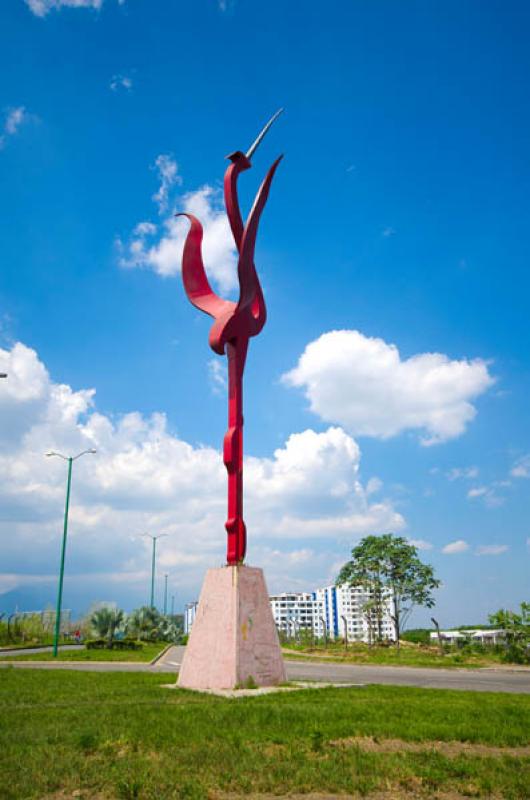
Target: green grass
{"points": [[121, 735], [147, 653], [409, 655]]}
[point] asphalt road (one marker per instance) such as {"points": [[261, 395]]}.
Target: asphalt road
{"points": [[28, 651], [476, 680]]}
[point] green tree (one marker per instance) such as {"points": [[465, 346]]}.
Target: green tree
{"points": [[107, 621], [149, 624], [517, 628], [388, 567], [145, 623]]}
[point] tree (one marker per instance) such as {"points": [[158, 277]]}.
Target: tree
{"points": [[517, 628], [107, 621], [148, 623], [388, 567]]}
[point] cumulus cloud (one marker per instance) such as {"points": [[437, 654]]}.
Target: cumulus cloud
{"points": [[218, 376], [421, 544], [167, 169], [363, 384], [43, 7], [521, 468], [121, 82], [487, 494], [459, 546], [144, 478], [458, 473], [491, 549], [14, 118], [159, 246]]}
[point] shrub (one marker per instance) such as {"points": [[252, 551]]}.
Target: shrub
{"points": [[117, 644]]}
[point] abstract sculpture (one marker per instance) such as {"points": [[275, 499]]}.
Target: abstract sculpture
{"points": [[234, 640], [235, 323]]}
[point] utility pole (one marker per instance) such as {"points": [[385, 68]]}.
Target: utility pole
{"points": [[153, 564], [70, 460], [165, 593]]}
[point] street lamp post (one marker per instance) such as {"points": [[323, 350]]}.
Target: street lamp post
{"points": [[172, 605], [153, 561], [165, 593], [70, 460]]}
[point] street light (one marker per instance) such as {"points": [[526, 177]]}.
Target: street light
{"points": [[154, 538], [70, 460], [166, 576]]}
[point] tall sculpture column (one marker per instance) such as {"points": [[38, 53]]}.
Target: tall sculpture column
{"points": [[234, 620]]}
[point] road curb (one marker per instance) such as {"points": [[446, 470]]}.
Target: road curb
{"points": [[157, 658]]}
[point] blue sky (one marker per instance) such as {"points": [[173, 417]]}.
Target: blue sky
{"points": [[396, 229]]}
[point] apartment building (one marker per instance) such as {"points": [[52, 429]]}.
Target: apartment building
{"points": [[332, 612]]}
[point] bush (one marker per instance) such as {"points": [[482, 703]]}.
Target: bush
{"points": [[117, 644], [417, 636]]}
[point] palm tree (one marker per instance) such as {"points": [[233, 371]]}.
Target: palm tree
{"points": [[145, 623], [107, 621]]}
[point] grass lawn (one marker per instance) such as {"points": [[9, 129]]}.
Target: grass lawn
{"points": [[409, 655], [121, 735], [148, 652]]}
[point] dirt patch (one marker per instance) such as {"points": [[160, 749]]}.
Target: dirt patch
{"points": [[449, 749], [393, 795]]}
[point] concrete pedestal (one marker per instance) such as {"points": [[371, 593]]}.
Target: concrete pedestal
{"points": [[233, 638]]}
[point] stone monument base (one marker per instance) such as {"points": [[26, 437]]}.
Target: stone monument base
{"points": [[233, 640]]}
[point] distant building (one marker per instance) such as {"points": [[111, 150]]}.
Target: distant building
{"points": [[190, 611], [345, 613], [331, 612], [297, 611], [478, 635]]}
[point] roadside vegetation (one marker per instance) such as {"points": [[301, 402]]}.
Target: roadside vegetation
{"points": [[408, 655], [121, 735], [144, 652], [103, 622]]}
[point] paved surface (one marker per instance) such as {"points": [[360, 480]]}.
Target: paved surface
{"points": [[28, 651], [477, 680]]}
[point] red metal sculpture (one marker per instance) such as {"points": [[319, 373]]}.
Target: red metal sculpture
{"points": [[234, 323]]}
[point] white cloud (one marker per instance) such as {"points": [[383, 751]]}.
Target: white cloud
{"points": [[160, 247], [478, 491], [363, 384], [374, 485], [462, 472], [218, 376], [491, 549], [167, 169], [14, 118], [521, 468], [460, 546], [120, 81], [43, 7], [487, 494], [145, 478], [421, 544], [387, 232]]}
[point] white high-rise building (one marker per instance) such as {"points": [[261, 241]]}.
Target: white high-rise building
{"points": [[329, 612], [344, 612], [296, 611]]}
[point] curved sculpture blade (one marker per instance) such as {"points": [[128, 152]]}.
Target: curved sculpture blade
{"points": [[248, 278], [196, 284]]}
